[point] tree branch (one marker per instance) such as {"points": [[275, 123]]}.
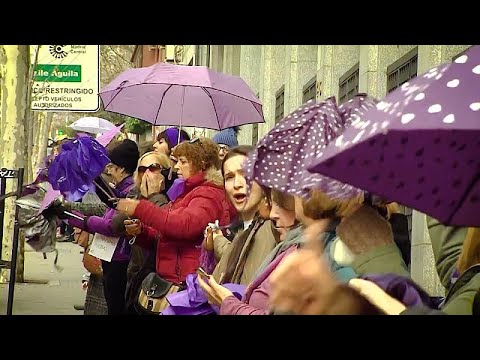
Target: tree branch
{"points": [[119, 56]]}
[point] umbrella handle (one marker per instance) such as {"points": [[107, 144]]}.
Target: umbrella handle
{"points": [[73, 215], [109, 195]]}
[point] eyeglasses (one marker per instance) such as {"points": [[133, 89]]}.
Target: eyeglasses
{"points": [[224, 147], [197, 140], [153, 167]]}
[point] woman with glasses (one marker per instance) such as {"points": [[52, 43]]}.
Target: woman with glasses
{"points": [[178, 227], [226, 139], [149, 185], [166, 141]]}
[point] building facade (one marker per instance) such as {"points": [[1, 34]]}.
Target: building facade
{"points": [[286, 76]]}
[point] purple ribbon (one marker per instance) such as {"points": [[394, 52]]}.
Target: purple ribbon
{"points": [[193, 301]]}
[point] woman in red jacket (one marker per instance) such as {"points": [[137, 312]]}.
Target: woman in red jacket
{"points": [[178, 227]]}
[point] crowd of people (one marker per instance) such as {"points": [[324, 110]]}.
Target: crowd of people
{"points": [[188, 218]]}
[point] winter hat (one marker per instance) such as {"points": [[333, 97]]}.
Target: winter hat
{"points": [[125, 155], [171, 136], [226, 137]]}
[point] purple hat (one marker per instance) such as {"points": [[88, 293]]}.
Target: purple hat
{"points": [[281, 157], [171, 135]]}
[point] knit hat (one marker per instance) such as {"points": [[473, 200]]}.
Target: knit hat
{"points": [[125, 155], [226, 137], [171, 136]]}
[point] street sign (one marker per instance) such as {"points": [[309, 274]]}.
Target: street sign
{"points": [[67, 78]]}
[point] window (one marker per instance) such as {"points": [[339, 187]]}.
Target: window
{"points": [[310, 90], [348, 84], [398, 73], [402, 70], [460, 54], [279, 104]]}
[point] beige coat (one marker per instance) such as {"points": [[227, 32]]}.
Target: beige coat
{"points": [[259, 244]]}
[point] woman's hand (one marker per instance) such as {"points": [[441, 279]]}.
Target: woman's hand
{"points": [[209, 238], [127, 206], [81, 237], [375, 294], [133, 227], [152, 183], [216, 293]]}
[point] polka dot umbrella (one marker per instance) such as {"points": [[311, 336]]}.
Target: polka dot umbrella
{"points": [[420, 146], [280, 158]]}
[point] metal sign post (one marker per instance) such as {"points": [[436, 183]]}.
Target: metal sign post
{"points": [[12, 264]]}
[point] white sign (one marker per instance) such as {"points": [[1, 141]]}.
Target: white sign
{"points": [[67, 78], [103, 247]]}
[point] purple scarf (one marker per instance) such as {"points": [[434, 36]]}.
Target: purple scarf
{"points": [[403, 289], [177, 189]]}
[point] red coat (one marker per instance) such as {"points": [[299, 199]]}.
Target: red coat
{"points": [[180, 224]]}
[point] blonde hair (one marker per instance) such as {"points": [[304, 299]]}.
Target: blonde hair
{"points": [[320, 206], [160, 159]]}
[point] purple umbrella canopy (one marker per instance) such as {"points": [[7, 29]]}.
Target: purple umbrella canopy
{"points": [[166, 94], [420, 146], [280, 158]]}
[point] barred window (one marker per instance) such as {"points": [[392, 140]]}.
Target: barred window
{"points": [[402, 70], [398, 73], [279, 104], [309, 90], [348, 84]]}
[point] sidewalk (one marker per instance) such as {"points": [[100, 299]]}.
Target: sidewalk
{"points": [[48, 291]]}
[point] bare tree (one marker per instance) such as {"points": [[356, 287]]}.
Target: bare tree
{"points": [[14, 60]]}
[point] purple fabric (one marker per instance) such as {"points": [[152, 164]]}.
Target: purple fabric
{"points": [[172, 136], [280, 158], [78, 164], [191, 96], [420, 145], [403, 289], [103, 224], [177, 189], [207, 260], [79, 193], [193, 300]]}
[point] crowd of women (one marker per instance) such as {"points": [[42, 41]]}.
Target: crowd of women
{"points": [[190, 221]]}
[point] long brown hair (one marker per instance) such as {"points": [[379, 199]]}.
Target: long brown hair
{"points": [[240, 240], [242, 150], [320, 206]]}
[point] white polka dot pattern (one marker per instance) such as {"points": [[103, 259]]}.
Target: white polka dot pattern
{"points": [[310, 129]]}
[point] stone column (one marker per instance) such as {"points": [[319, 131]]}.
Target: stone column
{"points": [[325, 70], [369, 70], [423, 268]]}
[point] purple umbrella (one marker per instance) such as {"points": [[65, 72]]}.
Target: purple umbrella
{"points": [[78, 164], [280, 158], [420, 146], [165, 94]]}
